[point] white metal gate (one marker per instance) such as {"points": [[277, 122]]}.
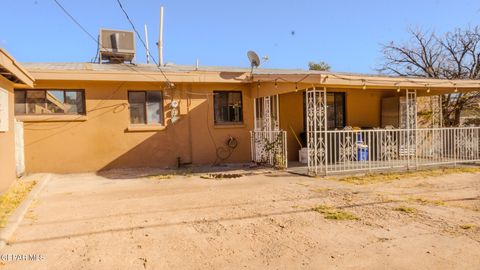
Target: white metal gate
{"points": [[409, 148], [19, 148], [316, 121], [325, 149], [403, 147], [268, 141]]}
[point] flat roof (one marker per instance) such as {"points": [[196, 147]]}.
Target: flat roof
{"points": [[187, 73], [122, 67]]}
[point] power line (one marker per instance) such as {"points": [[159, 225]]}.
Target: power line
{"points": [[77, 23], [97, 42], [143, 42]]}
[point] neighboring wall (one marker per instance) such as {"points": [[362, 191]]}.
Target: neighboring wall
{"points": [[102, 140], [7, 143]]}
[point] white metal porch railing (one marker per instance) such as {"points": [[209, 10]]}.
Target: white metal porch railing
{"points": [[366, 150], [269, 147]]}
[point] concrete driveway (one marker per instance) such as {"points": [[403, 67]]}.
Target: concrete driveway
{"points": [[86, 221]]}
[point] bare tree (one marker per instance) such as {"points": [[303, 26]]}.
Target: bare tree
{"points": [[455, 55]]}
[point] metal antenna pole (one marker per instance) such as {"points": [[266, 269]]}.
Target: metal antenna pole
{"points": [[160, 39], [98, 50], [146, 43]]}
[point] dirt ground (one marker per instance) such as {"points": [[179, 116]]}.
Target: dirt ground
{"points": [[258, 221]]}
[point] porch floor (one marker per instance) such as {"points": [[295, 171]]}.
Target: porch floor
{"points": [[296, 167]]}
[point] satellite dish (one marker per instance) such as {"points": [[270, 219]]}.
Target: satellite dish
{"points": [[254, 60]]}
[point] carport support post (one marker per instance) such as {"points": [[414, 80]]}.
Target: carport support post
{"points": [[325, 141], [454, 147], [436, 107], [440, 105], [255, 116], [311, 115], [267, 123], [408, 128], [315, 130], [415, 131], [411, 125], [316, 108]]}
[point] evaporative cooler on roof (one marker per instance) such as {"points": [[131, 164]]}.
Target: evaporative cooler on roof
{"points": [[116, 46]]}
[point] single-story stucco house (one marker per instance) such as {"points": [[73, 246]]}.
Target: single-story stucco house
{"points": [[80, 117], [11, 75]]}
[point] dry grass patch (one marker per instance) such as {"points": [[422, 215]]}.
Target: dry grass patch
{"points": [[170, 174], [427, 201], [221, 175], [406, 209], [160, 177], [333, 213], [467, 226], [371, 178], [12, 198]]}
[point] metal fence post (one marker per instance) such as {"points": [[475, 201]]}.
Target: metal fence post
{"points": [[325, 127], [454, 147], [407, 101]]}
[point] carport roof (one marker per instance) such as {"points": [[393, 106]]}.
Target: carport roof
{"points": [[13, 71]]}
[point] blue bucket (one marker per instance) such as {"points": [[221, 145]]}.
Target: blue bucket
{"points": [[362, 154]]}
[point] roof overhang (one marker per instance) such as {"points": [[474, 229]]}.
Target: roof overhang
{"points": [[142, 76], [338, 80], [267, 77], [13, 71]]}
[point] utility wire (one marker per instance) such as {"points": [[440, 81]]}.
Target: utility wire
{"points": [[155, 61], [75, 21], [169, 83], [143, 42], [78, 24]]}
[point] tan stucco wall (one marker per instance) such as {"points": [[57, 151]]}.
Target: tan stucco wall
{"points": [[291, 115], [7, 143], [102, 140], [363, 107]]}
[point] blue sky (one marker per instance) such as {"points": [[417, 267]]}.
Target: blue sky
{"points": [[346, 34]]}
